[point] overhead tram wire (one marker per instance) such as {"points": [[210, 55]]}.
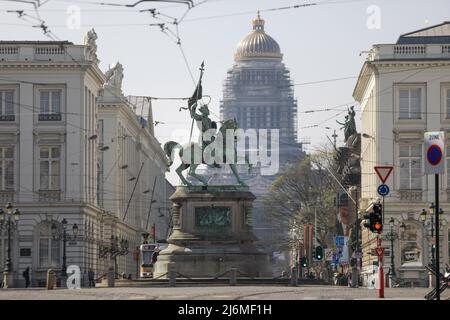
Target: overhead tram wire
{"points": [[229, 15], [52, 36], [186, 98], [380, 92], [297, 6]]}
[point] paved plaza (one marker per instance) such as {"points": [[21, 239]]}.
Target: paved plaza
{"points": [[218, 293]]}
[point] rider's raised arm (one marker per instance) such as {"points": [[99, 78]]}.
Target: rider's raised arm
{"points": [[194, 115]]}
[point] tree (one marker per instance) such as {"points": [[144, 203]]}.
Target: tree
{"points": [[303, 188]]}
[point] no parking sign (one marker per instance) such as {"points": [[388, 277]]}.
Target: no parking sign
{"points": [[434, 152]]}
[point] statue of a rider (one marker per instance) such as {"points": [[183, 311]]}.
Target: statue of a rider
{"points": [[199, 113]]}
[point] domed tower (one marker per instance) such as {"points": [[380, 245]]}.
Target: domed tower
{"points": [[258, 91]]}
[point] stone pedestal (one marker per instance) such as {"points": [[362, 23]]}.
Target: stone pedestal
{"points": [[212, 234]]}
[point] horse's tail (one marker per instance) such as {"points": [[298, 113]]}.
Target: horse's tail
{"points": [[168, 148]]}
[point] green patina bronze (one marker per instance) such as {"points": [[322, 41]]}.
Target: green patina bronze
{"points": [[194, 151], [213, 218], [349, 125]]}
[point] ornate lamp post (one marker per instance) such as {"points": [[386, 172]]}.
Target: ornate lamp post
{"points": [[115, 248], [64, 237], [423, 219], [145, 236], [392, 236], [8, 220]]}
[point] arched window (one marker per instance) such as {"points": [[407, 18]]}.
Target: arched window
{"points": [[49, 248], [411, 246]]}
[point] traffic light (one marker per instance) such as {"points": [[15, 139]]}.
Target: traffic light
{"points": [[304, 262], [368, 220], [319, 253], [374, 220], [377, 218]]}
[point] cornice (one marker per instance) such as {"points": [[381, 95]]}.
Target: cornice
{"points": [[88, 66], [366, 72], [389, 63], [47, 64]]}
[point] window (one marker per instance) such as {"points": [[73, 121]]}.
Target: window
{"points": [[50, 105], [49, 249], [410, 158], [410, 246], [7, 105], [50, 176], [447, 102], [6, 168], [410, 100]]}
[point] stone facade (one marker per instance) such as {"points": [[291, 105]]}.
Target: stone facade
{"points": [[55, 164], [404, 91]]}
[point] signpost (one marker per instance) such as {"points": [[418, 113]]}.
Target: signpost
{"points": [[434, 164], [380, 251], [383, 173]]}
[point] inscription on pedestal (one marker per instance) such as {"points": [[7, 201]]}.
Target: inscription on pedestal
{"points": [[207, 218]]}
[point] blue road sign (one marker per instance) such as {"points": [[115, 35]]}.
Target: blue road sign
{"points": [[336, 258], [434, 154], [383, 190], [339, 241]]}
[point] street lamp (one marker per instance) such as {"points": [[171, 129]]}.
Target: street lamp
{"points": [[64, 237], [423, 219], [8, 220], [391, 236], [115, 248]]}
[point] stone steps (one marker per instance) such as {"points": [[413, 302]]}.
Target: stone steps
{"points": [[213, 282]]}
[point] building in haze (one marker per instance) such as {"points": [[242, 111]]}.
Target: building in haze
{"points": [[258, 93]]}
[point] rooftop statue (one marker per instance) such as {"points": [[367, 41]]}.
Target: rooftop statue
{"points": [[349, 125], [114, 77], [193, 154], [90, 41]]}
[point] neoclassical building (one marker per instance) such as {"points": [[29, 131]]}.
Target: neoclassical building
{"points": [[404, 91], [55, 167]]}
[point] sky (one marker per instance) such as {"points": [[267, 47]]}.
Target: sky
{"points": [[322, 41]]}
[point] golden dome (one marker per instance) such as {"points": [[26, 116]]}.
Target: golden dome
{"points": [[258, 44]]}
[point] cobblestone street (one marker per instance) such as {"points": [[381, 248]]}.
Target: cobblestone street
{"points": [[218, 293]]}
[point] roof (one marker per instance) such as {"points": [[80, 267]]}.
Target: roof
{"points": [[258, 44], [27, 42], [437, 34]]}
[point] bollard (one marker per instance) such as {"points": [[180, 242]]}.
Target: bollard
{"points": [[111, 277], [172, 273], [233, 276], [294, 280], [51, 279], [7, 280]]}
